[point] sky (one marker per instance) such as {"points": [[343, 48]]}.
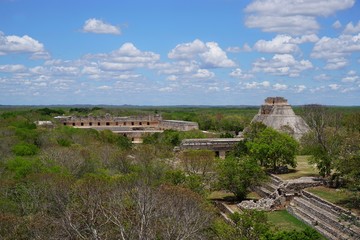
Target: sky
{"points": [[179, 52]]}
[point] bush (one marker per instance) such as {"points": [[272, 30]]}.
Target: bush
{"points": [[25, 149]]}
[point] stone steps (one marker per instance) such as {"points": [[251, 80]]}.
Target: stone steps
{"points": [[262, 191], [329, 221], [325, 229], [343, 216]]}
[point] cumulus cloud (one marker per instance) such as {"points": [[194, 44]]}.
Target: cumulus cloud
{"points": [[203, 73], [104, 87], [292, 17], [336, 63], [283, 43], [209, 54], [322, 77], [238, 73], [126, 58], [334, 86], [300, 88], [351, 29], [337, 24], [350, 77], [94, 25], [282, 64], [278, 86], [12, 68], [24, 44], [245, 48], [172, 78], [256, 85], [332, 48]]}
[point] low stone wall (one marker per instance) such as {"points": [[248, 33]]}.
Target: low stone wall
{"points": [[178, 125], [329, 219]]}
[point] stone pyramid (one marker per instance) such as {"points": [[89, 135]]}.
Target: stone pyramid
{"points": [[278, 114]]}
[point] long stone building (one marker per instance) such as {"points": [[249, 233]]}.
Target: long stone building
{"points": [[133, 127], [278, 114]]}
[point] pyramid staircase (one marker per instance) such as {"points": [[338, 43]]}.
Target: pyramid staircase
{"points": [[330, 220]]}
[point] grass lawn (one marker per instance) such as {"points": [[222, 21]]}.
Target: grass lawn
{"points": [[337, 196], [303, 169], [282, 220], [228, 196]]}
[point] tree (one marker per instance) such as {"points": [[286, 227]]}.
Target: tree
{"points": [[197, 161], [246, 225], [250, 224], [324, 139], [273, 148], [238, 174]]}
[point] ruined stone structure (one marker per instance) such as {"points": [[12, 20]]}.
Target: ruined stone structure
{"points": [[219, 145], [133, 127], [278, 114], [330, 220]]}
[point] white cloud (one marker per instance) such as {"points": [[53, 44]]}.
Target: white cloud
{"points": [[203, 73], [166, 89], [209, 54], [279, 86], [351, 77], [104, 87], [282, 64], [187, 50], [300, 88], [283, 43], [238, 73], [336, 49], [322, 77], [351, 29], [334, 86], [350, 89], [93, 25], [213, 89], [292, 17], [245, 48], [215, 57], [172, 78], [280, 44], [12, 68], [337, 24], [335, 63], [24, 44], [126, 58], [256, 85]]}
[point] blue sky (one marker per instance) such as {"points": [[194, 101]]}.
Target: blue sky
{"points": [[176, 52]]}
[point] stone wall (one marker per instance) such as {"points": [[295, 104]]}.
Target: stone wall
{"points": [[178, 125]]}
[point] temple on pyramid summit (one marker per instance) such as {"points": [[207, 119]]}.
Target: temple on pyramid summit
{"points": [[278, 114]]}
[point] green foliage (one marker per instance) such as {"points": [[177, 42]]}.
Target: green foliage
{"points": [[306, 234], [121, 141], [238, 174], [49, 111], [172, 137], [64, 142], [253, 130], [25, 149], [22, 167], [249, 224], [273, 149], [175, 177]]}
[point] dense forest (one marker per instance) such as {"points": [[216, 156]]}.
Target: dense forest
{"points": [[67, 183]]}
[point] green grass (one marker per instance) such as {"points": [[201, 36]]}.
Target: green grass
{"points": [[303, 169], [339, 197], [228, 196], [330, 194], [282, 220]]}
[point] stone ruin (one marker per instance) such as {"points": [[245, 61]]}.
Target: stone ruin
{"points": [[278, 114]]}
